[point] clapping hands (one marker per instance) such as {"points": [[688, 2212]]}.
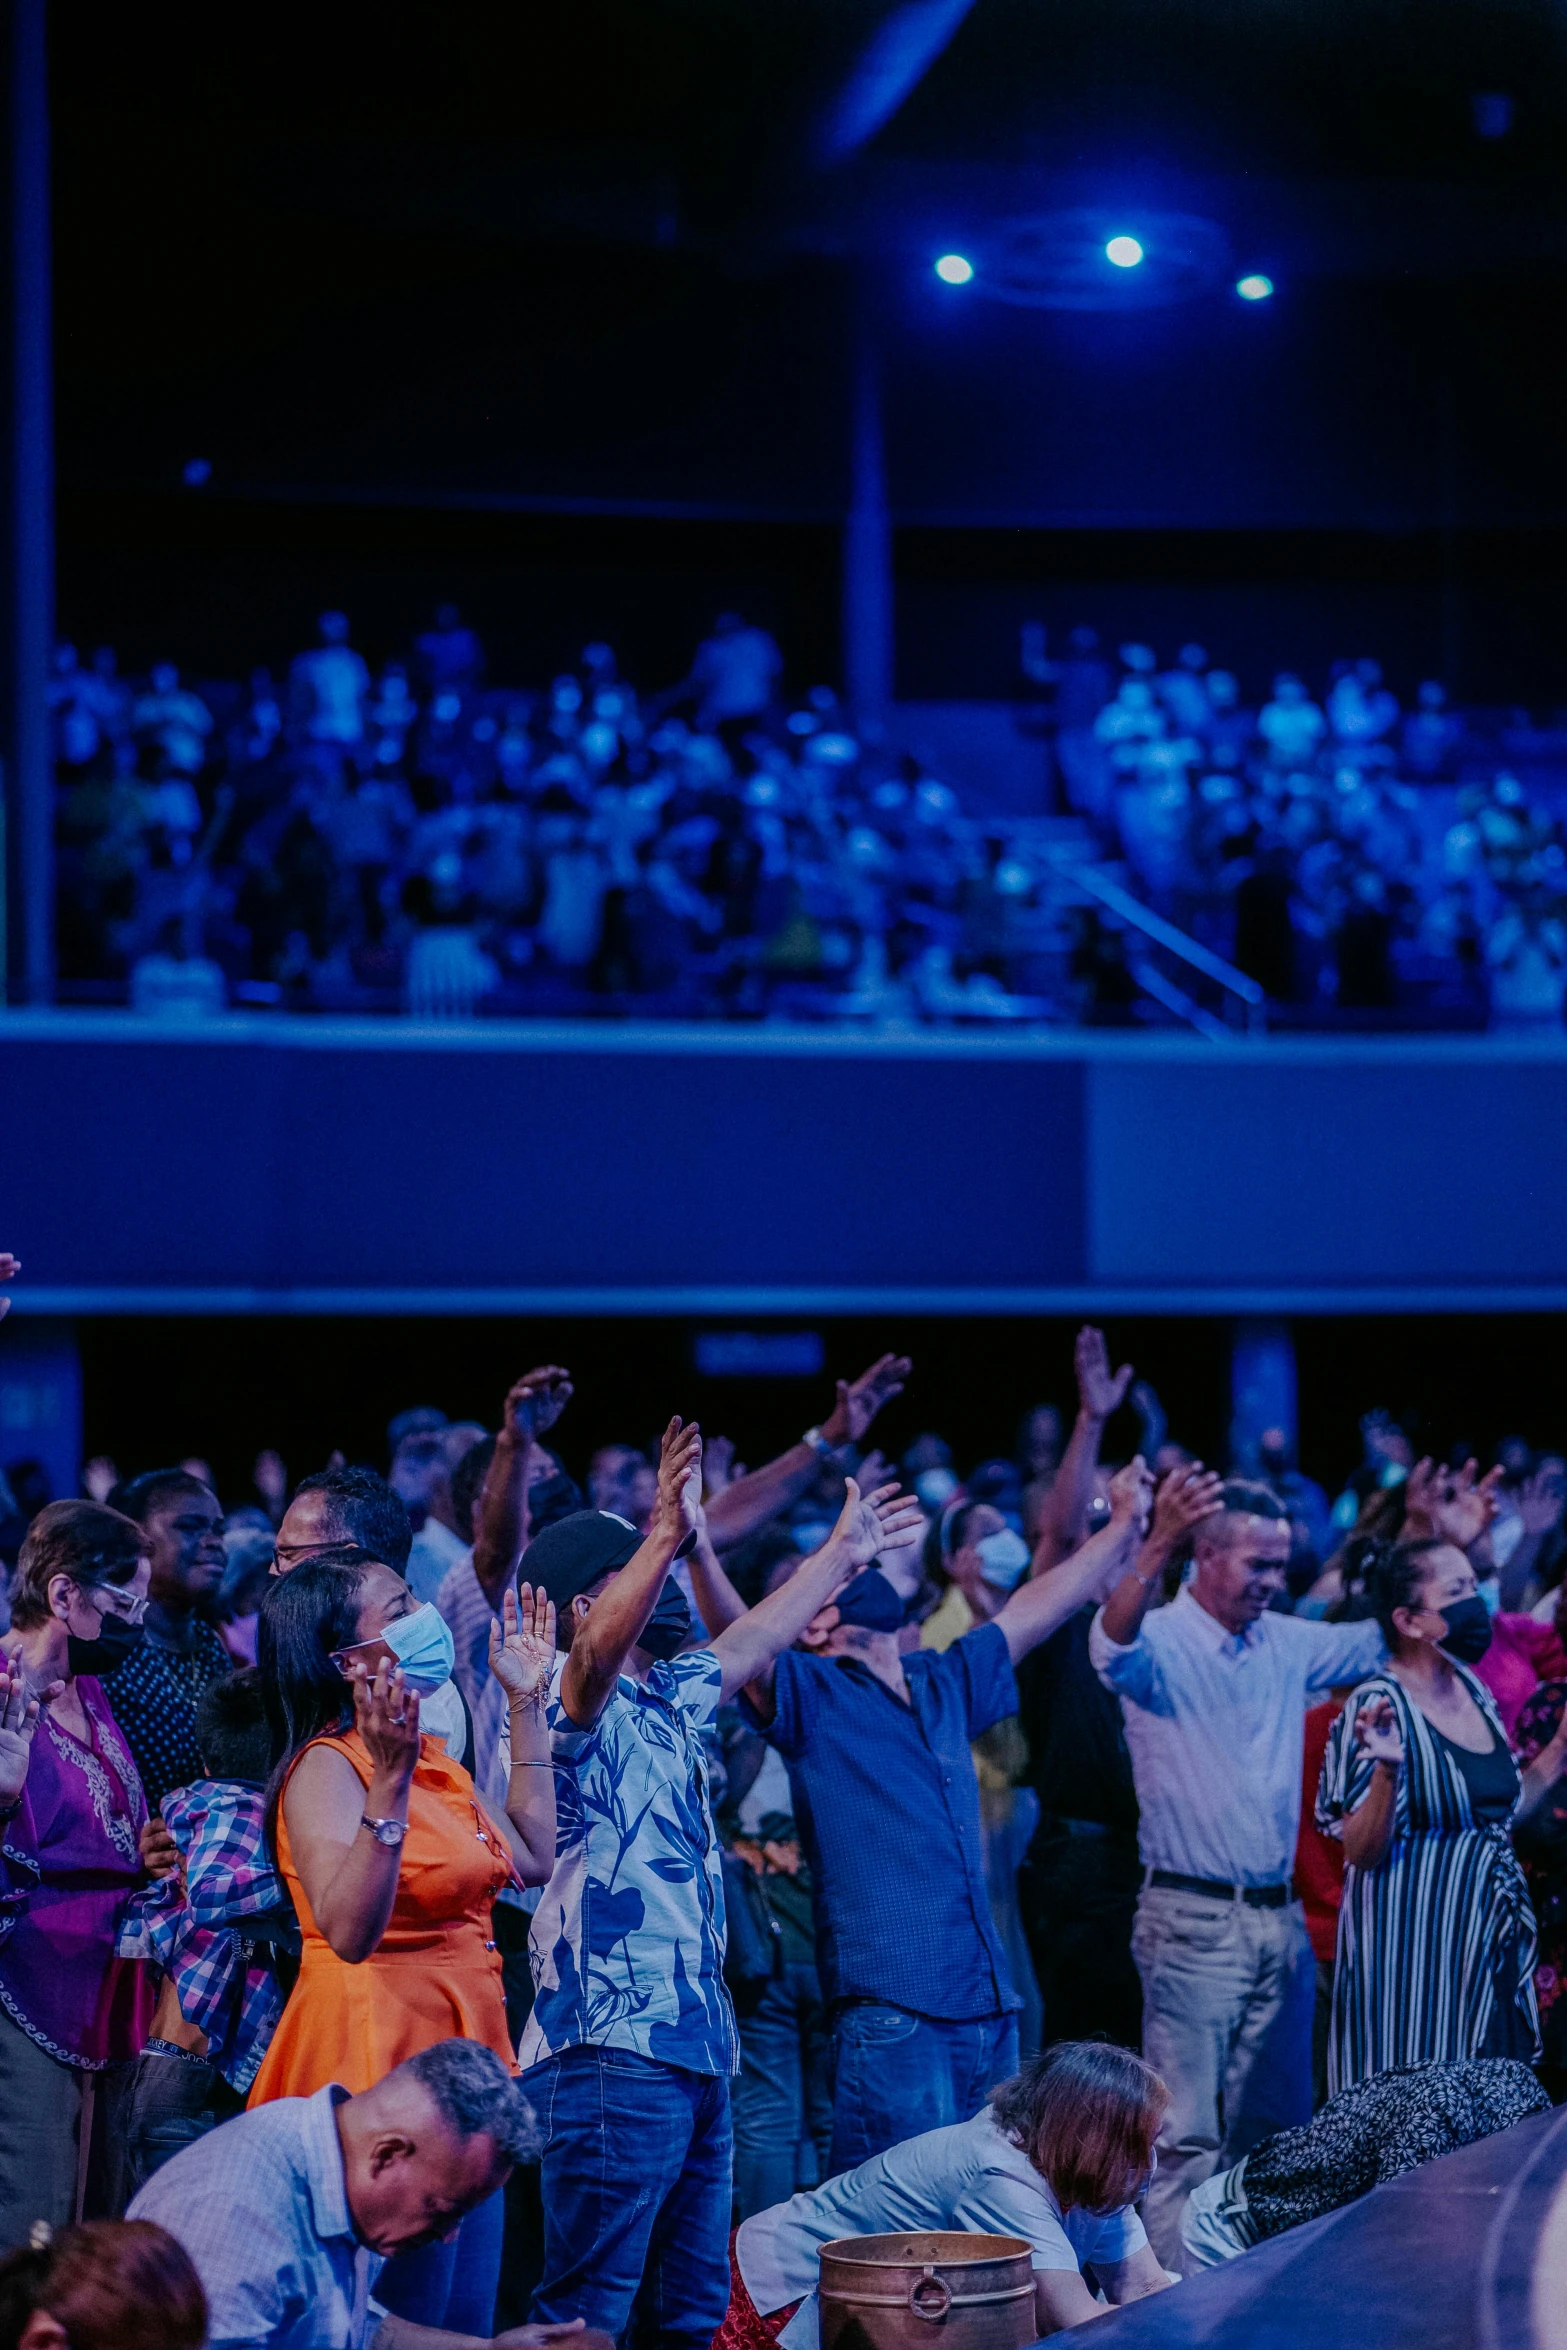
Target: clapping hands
{"points": [[870, 1524]]}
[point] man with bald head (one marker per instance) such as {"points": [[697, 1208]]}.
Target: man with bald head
{"points": [[1214, 1690]]}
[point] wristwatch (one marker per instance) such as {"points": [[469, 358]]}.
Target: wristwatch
{"points": [[387, 1832], [819, 1445]]}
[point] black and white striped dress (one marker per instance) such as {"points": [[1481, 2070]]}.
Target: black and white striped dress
{"points": [[1432, 1941]]}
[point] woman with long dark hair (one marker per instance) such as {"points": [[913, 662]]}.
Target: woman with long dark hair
{"points": [[1058, 2156], [1436, 1939], [393, 1860]]}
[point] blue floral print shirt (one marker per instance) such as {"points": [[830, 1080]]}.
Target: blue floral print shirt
{"points": [[627, 1947]]}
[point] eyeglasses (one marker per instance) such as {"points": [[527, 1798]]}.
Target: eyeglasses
{"points": [[115, 1603]]}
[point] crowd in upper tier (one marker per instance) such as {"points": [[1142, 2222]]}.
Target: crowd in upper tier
{"points": [[425, 838], [1134, 1861]]}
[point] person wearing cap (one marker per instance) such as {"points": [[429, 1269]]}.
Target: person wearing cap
{"points": [[628, 2053], [878, 1748]]}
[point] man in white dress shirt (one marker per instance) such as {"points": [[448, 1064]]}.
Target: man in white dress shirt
{"points": [[1214, 1691]]}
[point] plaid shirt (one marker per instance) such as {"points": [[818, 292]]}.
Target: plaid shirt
{"points": [[225, 1986]]}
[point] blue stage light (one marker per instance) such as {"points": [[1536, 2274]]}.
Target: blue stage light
{"points": [[1254, 289], [953, 270], [1125, 252]]}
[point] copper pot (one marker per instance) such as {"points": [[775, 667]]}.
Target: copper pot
{"points": [[927, 2292]]}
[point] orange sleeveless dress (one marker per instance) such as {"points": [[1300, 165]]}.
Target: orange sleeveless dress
{"points": [[436, 1971]]}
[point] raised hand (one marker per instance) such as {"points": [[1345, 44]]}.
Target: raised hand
{"points": [[1187, 1496], [883, 1520], [537, 1400], [521, 1656], [1448, 1505], [1377, 1733], [719, 1466], [1131, 1494], [859, 1402], [9, 1268], [1100, 1391], [18, 1721], [678, 1509], [386, 1715]]}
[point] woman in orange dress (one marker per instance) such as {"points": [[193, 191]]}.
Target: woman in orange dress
{"points": [[393, 1861]]}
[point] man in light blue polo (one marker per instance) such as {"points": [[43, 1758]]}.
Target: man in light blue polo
{"points": [[1214, 1690]]}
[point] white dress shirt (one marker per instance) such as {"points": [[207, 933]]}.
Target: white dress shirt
{"points": [[1215, 1725]]}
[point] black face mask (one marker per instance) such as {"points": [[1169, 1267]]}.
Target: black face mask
{"points": [[870, 1602], [668, 1628], [1468, 1633], [115, 1642]]}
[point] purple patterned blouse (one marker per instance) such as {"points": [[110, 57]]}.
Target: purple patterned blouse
{"points": [[68, 1864]]}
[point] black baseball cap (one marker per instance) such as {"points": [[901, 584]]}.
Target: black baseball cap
{"points": [[571, 1555]]}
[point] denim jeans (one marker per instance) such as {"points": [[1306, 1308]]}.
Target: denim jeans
{"points": [[171, 2101], [1228, 1994], [451, 2284], [637, 2180], [896, 2074], [782, 2101]]}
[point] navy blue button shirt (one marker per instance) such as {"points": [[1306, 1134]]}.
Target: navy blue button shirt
{"points": [[887, 1807]]}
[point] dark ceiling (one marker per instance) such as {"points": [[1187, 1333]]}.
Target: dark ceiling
{"points": [[581, 252]]}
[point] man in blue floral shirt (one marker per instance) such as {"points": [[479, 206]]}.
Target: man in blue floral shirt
{"points": [[631, 2044]]}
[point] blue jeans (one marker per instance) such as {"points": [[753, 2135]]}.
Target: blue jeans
{"points": [[637, 2178], [896, 2074], [782, 2102], [451, 2285]]}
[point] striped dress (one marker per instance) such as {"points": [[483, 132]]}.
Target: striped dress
{"points": [[1429, 1941]]}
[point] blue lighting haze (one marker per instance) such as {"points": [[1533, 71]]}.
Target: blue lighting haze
{"points": [[1125, 252], [953, 270]]}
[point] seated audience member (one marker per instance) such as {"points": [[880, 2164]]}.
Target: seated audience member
{"points": [[216, 1926], [1059, 2156], [71, 1817], [1363, 2137], [290, 2213], [156, 1692], [111, 2285], [1436, 1939]]}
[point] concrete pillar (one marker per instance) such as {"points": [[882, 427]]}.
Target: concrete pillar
{"points": [[1262, 1387], [867, 540]]}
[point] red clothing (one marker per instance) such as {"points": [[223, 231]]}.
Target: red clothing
{"points": [[1522, 1654], [1319, 1859], [744, 2327]]}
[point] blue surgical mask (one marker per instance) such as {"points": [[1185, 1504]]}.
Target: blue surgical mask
{"points": [[1003, 1559], [422, 1644]]}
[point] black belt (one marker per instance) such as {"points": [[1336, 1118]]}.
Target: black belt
{"points": [[1254, 1896]]}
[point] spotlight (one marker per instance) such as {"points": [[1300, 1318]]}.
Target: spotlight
{"points": [[195, 472], [1125, 252], [1254, 289], [953, 270]]}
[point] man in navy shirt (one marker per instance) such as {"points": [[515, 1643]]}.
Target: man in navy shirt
{"points": [[877, 1745]]}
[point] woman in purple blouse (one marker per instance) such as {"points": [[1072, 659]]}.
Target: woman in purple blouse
{"points": [[71, 1815]]}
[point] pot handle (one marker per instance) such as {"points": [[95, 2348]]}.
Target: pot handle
{"points": [[930, 2296]]}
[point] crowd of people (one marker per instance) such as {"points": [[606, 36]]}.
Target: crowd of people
{"points": [[425, 839], [461, 1898]]}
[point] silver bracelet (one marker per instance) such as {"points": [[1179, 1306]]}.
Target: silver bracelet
{"points": [[532, 1766]]}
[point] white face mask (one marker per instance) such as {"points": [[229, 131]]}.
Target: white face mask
{"points": [[1003, 1559]]}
